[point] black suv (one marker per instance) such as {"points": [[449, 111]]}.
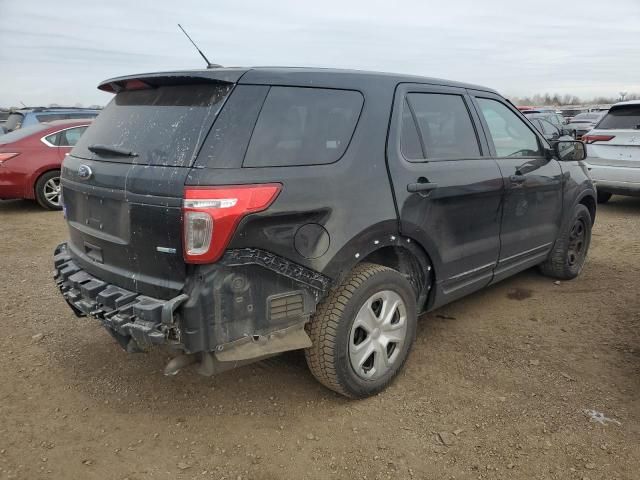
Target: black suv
{"points": [[233, 214]]}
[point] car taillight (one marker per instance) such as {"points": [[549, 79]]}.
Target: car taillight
{"points": [[210, 216], [6, 156], [597, 138]]}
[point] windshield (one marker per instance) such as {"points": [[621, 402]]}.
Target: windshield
{"points": [[625, 117], [14, 121], [21, 133], [163, 125]]}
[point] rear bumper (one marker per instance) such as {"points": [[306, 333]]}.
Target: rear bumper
{"points": [[615, 179], [249, 304], [136, 321]]}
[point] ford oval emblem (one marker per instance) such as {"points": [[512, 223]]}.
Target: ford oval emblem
{"points": [[84, 172]]}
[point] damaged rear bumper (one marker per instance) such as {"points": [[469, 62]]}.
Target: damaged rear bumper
{"points": [[136, 321], [249, 305]]}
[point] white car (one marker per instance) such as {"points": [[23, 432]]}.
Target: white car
{"points": [[613, 151]]}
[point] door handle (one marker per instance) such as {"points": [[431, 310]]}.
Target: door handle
{"points": [[421, 187], [517, 178]]}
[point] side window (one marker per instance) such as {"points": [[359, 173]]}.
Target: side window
{"points": [[409, 139], [53, 139], [511, 136], [548, 128], [303, 126], [68, 138], [445, 126]]}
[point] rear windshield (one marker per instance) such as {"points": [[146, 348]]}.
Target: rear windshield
{"points": [[586, 117], [22, 133], [163, 125], [627, 117]]}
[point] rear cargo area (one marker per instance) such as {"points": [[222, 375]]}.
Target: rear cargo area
{"points": [[123, 184]]}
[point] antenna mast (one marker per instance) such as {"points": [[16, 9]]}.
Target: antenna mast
{"points": [[209, 64]]}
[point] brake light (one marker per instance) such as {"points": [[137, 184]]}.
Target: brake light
{"points": [[7, 156], [210, 216], [597, 138]]}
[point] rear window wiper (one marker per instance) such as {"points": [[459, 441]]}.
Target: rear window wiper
{"points": [[112, 150]]}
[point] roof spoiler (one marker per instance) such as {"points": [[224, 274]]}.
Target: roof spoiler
{"points": [[153, 80]]}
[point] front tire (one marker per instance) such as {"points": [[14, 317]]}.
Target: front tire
{"points": [[48, 190], [363, 331], [569, 253]]}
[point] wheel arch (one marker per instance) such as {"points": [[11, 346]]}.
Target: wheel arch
{"points": [[411, 260], [588, 199]]}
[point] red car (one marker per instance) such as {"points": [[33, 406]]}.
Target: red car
{"points": [[30, 160]]}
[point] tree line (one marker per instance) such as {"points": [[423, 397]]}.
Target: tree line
{"points": [[568, 99]]}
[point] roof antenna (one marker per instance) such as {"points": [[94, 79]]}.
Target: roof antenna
{"points": [[209, 64]]}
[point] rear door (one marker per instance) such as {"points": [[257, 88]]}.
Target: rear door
{"points": [[447, 192], [532, 205], [124, 210]]}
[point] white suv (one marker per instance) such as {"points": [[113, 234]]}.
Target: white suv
{"points": [[613, 152]]}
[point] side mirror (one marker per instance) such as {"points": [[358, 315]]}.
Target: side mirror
{"points": [[570, 150]]}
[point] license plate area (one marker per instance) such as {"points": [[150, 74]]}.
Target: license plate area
{"points": [[99, 216]]}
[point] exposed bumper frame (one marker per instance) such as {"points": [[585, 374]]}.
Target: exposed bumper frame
{"points": [[136, 321]]}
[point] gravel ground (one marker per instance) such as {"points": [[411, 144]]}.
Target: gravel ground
{"points": [[496, 387]]}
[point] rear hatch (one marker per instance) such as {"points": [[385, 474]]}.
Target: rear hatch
{"points": [[615, 141], [123, 182]]}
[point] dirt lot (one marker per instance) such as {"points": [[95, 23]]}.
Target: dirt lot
{"points": [[496, 386]]}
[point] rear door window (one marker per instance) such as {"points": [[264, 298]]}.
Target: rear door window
{"points": [[510, 134], [303, 126], [69, 137], [163, 126], [625, 117], [409, 138], [444, 126]]}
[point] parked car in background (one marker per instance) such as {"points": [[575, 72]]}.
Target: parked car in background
{"points": [[614, 151], [549, 130], [569, 112], [25, 117], [583, 122], [549, 115], [554, 119], [30, 159], [233, 214]]}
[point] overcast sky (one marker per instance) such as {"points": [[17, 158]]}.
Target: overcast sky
{"points": [[57, 52]]}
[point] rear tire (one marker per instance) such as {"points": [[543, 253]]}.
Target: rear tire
{"points": [[569, 253], [603, 197], [363, 331], [48, 190]]}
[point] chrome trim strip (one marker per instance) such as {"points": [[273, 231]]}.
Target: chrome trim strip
{"points": [[527, 252]]}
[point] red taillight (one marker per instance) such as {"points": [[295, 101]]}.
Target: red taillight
{"points": [[597, 138], [210, 215], [6, 156]]}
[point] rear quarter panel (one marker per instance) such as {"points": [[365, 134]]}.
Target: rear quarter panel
{"points": [[351, 199]]}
